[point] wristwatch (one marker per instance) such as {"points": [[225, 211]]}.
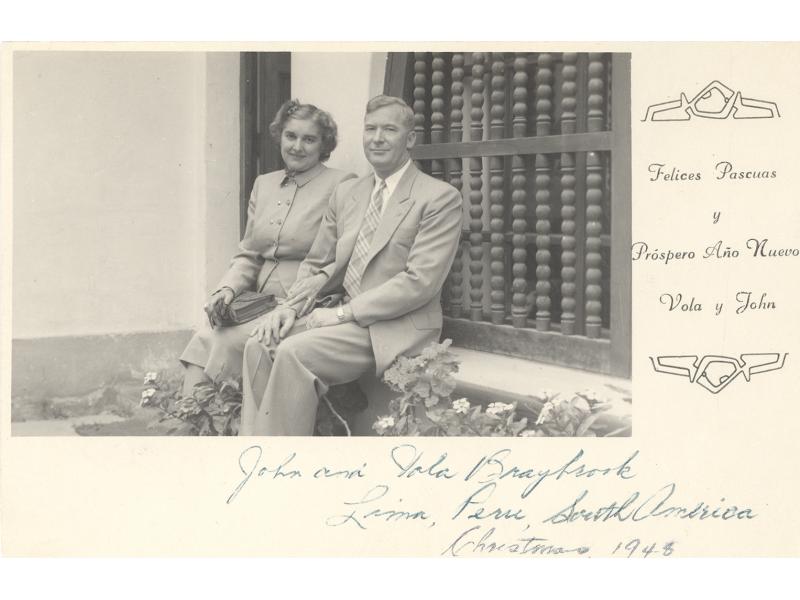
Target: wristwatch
{"points": [[340, 313]]}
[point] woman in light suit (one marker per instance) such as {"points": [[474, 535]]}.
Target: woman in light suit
{"points": [[283, 217]]}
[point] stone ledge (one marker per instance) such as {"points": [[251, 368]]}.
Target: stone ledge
{"points": [[513, 377]]}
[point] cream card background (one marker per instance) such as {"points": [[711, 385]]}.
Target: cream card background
{"points": [[102, 496]]}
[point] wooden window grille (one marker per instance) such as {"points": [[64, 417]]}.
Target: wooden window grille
{"points": [[539, 145]]}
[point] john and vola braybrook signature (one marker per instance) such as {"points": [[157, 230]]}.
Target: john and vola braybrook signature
{"points": [[488, 520]]}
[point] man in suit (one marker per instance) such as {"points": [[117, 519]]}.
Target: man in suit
{"points": [[388, 240]]}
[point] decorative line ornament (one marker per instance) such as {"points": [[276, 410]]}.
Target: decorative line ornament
{"points": [[715, 373], [715, 101]]}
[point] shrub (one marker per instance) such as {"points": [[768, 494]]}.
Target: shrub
{"points": [[214, 408], [424, 406]]}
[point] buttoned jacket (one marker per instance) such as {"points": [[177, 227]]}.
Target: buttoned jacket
{"points": [[409, 259], [283, 217]]}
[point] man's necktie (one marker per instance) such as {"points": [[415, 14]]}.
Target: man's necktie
{"points": [[358, 260]]}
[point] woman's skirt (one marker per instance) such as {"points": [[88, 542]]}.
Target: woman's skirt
{"points": [[219, 351]]}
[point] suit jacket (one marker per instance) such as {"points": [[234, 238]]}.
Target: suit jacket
{"points": [[410, 257], [282, 221]]}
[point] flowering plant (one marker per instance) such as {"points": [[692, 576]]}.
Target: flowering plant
{"points": [[425, 407], [213, 408], [577, 416]]}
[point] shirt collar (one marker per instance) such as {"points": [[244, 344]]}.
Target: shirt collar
{"points": [[393, 179], [303, 178]]}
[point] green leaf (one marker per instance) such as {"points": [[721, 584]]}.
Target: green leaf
{"points": [[422, 389], [431, 401], [586, 423], [517, 427], [581, 404]]}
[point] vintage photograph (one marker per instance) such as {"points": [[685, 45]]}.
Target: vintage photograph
{"points": [[304, 243]]}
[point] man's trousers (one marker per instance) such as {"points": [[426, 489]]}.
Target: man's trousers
{"points": [[283, 383]]}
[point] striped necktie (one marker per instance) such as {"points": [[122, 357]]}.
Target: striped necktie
{"points": [[358, 260]]}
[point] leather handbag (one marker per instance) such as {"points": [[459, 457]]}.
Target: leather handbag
{"points": [[246, 307]]}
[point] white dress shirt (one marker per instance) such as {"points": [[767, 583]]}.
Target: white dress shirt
{"points": [[391, 184]]}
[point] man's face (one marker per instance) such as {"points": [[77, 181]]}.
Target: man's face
{"points": [[387, 140]]}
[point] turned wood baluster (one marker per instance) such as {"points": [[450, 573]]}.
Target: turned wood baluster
{"points": [[437, 129], [568, 210], [496, 209], [437, 111], [456, 167], [544, 93], [420, 79], [476, 192], [594, 201], [594, 227], [519, 210], [595, 115]]}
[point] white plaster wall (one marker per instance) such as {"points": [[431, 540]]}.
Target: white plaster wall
{"points": [[109, 192], [341, 83], [222, 172], [126, 180]]}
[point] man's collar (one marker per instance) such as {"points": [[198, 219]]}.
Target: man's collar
{"points": [[303, 178], [393, 179]]}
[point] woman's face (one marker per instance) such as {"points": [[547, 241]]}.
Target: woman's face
{"points": [[301, 142]]}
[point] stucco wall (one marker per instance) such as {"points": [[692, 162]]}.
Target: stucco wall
{"points": [[120, 187], [220, 200]]}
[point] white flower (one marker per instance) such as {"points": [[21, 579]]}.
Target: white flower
{"points": [[150, 377], [383, 424], [544, 415], [146, 395], [496, 409], [461, 406]]}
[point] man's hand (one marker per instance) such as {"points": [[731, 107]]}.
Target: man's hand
{"points": [[325, 317], [217, 305], [275, 326], [304, 292]]}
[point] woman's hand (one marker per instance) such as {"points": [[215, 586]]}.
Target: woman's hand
{"points": [[304, 292], [217, 305], [275, 326]]}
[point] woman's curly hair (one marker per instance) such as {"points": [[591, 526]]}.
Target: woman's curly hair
{"points": [[293, 109]]}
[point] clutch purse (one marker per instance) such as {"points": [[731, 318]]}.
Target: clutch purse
{"points": [[246, 307]]}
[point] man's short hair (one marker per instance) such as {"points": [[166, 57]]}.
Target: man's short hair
{"points": [[384, 100]]}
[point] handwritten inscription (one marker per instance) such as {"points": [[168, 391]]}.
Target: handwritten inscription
{"points": [[477, 540], [638, 507], [489, 503], [367, 508]]}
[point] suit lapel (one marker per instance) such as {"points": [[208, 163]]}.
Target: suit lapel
{"points": [[397, 207], [354, 217]]}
